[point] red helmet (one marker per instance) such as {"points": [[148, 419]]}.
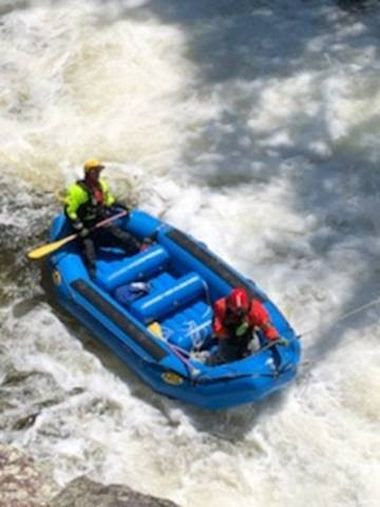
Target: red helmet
{"points": [[238, 301]]}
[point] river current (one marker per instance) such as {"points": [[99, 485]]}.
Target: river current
{"points": [[254, 126]]}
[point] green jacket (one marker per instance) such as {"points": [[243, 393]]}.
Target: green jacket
{"points": [[80, 204]]}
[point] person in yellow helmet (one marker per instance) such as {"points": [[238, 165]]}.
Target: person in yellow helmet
{"points": [[89, 200]]}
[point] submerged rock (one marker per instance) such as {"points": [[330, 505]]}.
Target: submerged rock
{"points": [[25, 483], [24, 395], [22, 482], [83, 492]]}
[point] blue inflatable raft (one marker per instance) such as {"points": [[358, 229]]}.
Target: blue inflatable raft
{"points": [[154, 310]]}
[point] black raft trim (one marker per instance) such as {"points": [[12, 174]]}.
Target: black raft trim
{"points": [[122, 321], [212, 262]]}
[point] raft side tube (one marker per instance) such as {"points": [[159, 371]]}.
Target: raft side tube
{"points": [[157, 305], [204, 261], [120, 319], [137, 267]]}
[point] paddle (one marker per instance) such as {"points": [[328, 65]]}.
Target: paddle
{"points": [[43, 250]]}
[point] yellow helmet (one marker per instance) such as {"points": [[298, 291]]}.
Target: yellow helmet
{"points": [[91, 164]]}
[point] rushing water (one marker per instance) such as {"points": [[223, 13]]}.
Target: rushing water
{"points": [[255, 126]]}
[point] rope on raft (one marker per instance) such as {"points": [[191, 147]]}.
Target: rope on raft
{"points": [[344, 316]]}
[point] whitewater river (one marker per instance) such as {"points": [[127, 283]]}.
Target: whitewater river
{"points": [[255, 126]]}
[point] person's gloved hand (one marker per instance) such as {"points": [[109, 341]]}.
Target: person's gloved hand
{"points": [[77, 225], [80, 229], [84, 232], [104, 212], [118, 207]]}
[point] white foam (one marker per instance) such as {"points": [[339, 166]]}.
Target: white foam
{"points": [[255, 129]]}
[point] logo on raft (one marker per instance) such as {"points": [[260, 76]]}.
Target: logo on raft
{"points": [[172, 378]]}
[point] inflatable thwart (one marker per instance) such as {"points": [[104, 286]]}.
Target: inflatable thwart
{"points": [[154, 310]]}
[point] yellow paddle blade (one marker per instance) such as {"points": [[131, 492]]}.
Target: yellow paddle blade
{"points": [[156, 329], [43, 250]]}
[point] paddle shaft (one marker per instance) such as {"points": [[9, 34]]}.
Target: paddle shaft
{"points": [[110, 219], [49, 248]]}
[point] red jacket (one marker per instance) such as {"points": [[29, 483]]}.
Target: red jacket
{"points": [[257, 316]]}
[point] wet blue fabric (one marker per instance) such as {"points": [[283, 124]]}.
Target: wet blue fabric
{"points": [[126, 294]]}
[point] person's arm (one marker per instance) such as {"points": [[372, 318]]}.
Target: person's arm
{"points": [[270, 331], [218, 329], [271, 334], [109, 199], [111, 205], [259, 317], [74, 198]]}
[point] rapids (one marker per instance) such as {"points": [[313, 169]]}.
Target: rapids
{"points": [[254, 125]]}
